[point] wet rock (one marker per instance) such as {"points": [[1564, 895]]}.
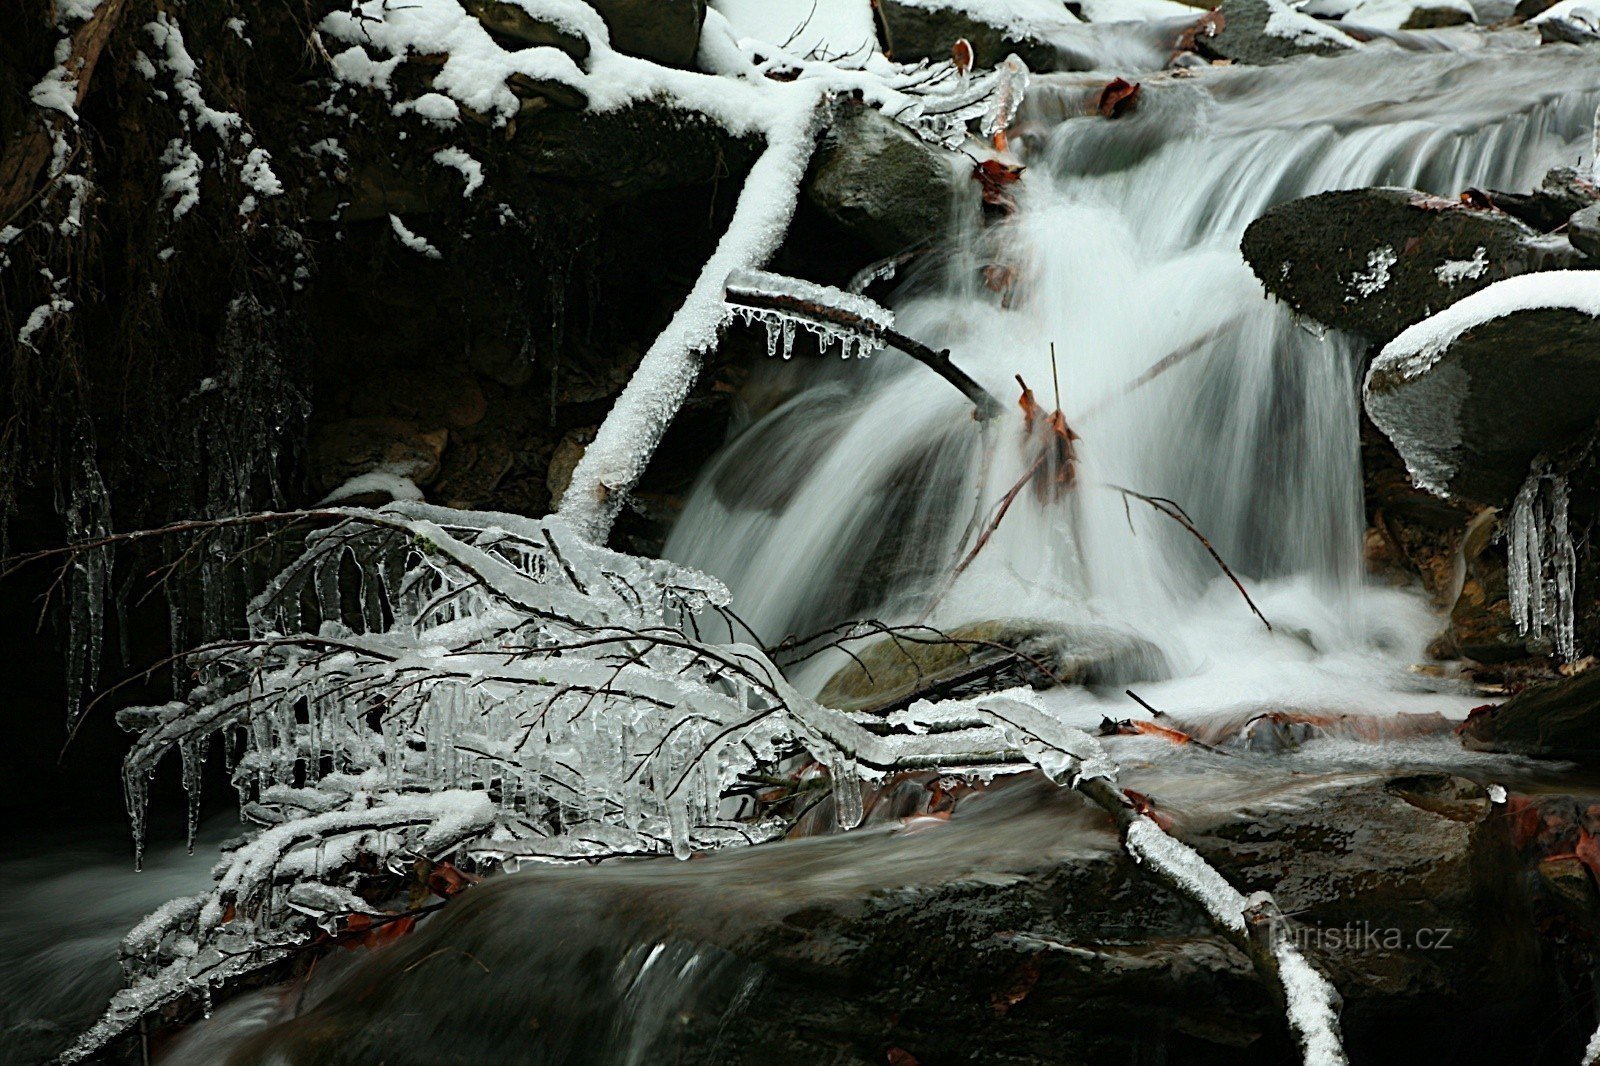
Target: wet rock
{"points": [[666, 31], [983, 938], [342, 450], [988, 657], [428, 399], [1472, 399], [1569, 883], [1373, 261], [1561, 193], [471, 471], [1446, 795], [1269, 31], [1481, 626], [501, 360], [1569, 22], [1555, 720], [883, 184], [1583, 230], [922, 31]]}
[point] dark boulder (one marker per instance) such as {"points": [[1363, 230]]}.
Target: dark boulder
{"points": [[1583, 231], [923, 31], [1556, 720], [1471, 397], [1374, 261], [884, 185], [1015, 932], [667, 31], [1269, 31]]}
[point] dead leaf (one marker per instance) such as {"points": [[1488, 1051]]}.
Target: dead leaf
{"points": [[1118, 98], [1147, 807], [899, 1056], [1019, 982], [1205, 27], [961, 55], [994, 176]]}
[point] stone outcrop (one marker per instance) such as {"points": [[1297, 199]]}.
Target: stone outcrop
{"points": [[924, 31], [1374, 261], [888, 188], [1269, 31]]}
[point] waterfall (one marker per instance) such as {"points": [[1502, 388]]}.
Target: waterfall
{"points": [[857, 495]]}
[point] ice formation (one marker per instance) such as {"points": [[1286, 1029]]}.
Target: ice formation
{"points": [[1542, 562], [860, 339]]}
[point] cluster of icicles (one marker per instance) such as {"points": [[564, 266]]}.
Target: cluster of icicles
{"points": [[1542, 561]]}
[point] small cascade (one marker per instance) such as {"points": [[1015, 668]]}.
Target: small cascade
{"points": [[858, 496]]}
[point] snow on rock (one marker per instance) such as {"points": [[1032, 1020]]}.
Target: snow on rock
{"points": [[1575, 21], [824, 29], [1285, 22], [1136, 10], [373, 482], [1454, 271], [1411, 14], [174, 57], [1020, 18], [1375, 278], [1469, 401], [421, 245], [182, 178], [459, 160]]}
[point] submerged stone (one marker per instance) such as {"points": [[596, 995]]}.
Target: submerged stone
{"points": [[988, 657]]}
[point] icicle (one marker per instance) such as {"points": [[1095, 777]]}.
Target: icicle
{"points": [[1542, 562]]}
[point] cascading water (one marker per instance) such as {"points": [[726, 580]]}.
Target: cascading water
{"points": [[858, 496]]}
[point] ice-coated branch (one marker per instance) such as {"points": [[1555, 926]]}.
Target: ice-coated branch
{"points": [[855, 321], [628, 437]]}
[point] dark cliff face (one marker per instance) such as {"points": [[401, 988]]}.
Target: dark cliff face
{"points": [[222, 359]]}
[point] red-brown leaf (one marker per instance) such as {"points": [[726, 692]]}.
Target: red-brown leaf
{"points": [[994, 176], [1019, 982], [1117, 98], [899, 1056], [961, 55]]}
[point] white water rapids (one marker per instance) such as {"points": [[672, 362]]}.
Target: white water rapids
{"points": [[857, 496]]}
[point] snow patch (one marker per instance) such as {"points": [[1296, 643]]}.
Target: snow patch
{"points": [[417, 244], [1375, 278], [1288, 24], [1455, 271], [470, 168]]}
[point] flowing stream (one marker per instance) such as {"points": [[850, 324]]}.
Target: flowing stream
{"points": [[856, 496]]}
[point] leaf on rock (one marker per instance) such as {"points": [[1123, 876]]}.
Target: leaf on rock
{"points": [[1118, 98], [1204, 28]]}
